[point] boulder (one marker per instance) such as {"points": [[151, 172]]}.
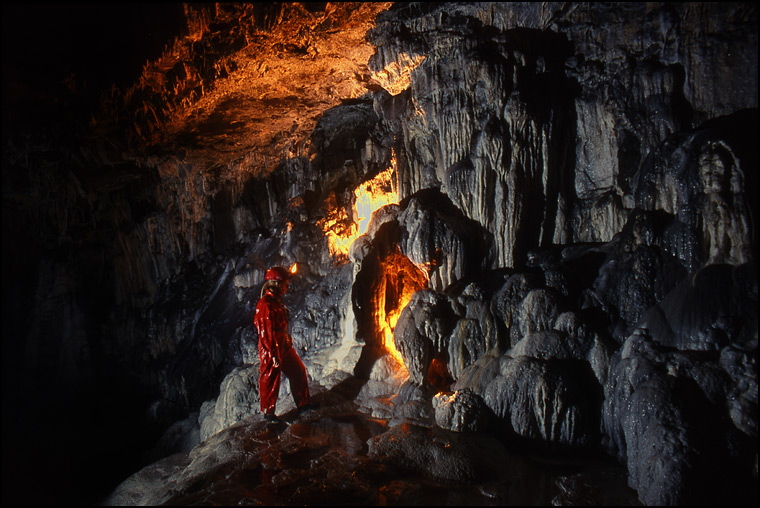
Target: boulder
{"points": [[553, 401]]}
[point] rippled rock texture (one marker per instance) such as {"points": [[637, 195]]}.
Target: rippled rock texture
{"points": [[567, 263]]}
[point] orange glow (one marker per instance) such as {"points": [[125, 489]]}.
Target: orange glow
{"points": [[370, 197], [400, 279], [294, 268], [397, 76], [388, 325], [373, 195]]}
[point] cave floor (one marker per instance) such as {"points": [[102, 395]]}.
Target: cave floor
{"points": [[324, 457]]}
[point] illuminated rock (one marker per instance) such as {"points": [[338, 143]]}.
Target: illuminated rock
{"points": [[462, 411], [423, 330], [438, 237]]}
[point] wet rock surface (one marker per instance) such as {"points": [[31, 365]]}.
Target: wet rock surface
{"points": [[342, 456], [656, 395]]}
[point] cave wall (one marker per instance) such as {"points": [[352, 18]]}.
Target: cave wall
{"points": [[535, 119], [568, 175]]}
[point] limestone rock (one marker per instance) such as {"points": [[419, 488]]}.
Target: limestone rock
{"points": [[436, 235], [413, 405], [238, 399], [652, 409], [319, 318], [341, 453], [467, 343], [181, 436], [507, 299], [699, 178], [637, 272], [148, 486], [713, 307], [461, 411], [741, 365], [423, 329], [547, 400], [475, 333], [439, 456], [577, 214]]}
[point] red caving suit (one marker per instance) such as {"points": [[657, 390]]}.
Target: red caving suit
{"points": [[271, 321]]}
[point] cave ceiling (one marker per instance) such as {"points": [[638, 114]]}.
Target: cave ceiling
{"points": [[251, 85]]}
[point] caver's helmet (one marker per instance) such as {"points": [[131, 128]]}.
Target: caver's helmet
{"points": [[278, 273]]}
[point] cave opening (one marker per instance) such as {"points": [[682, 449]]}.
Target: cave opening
{"points": [[382, 289], [397, 281], [387, 279]]}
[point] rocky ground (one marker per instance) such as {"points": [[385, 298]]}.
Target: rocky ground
{"points": [[341, 455]]}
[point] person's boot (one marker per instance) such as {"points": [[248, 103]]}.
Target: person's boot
{"points": [[271, 418], [311, 406]]}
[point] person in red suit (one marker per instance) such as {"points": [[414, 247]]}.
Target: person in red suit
{"points": [[276, 350]]}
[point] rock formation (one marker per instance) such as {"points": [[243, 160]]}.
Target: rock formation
{"points": [[562, 256]]}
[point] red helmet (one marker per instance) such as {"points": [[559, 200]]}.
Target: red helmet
{"points": [[277, 273]]}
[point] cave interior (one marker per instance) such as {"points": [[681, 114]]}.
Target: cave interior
{"points": [[524, 236]]}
